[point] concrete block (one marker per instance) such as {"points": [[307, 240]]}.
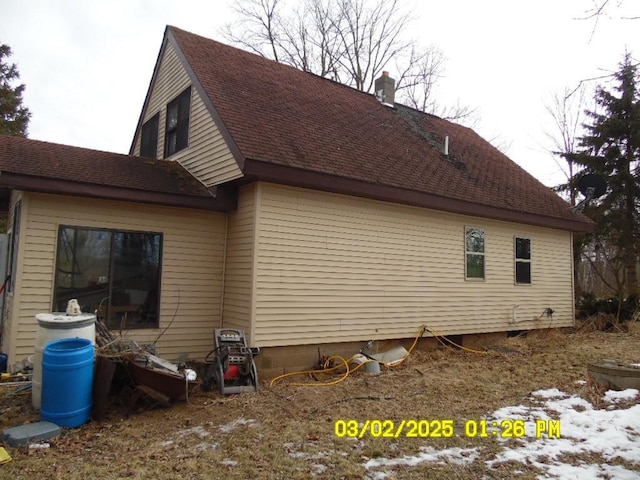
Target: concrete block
{"points": [[21, 435]]}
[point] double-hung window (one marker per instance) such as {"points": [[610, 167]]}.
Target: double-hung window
{"points": [[523, 260], [149, 137], [116, 273], [177, 125], [474, 253]]}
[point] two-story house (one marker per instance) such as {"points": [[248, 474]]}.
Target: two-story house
{"points": [[307, 213]]}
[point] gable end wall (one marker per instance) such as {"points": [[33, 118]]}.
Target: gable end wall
{"points": [[207, 157]]}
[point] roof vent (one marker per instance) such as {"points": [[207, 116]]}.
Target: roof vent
{"points": [[386, 89]]}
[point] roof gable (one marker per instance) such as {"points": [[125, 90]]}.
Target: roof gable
{"points": [[208, 156], [288, 121]]}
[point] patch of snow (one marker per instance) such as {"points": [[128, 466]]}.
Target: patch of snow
{"points": [[318, 469], [613, 396], [519, 411], [459, 456], [199, 431], [202, 447], [549, 393], [377, 476], [586, 472], [584, 430], [229, 427], [229, 463]]}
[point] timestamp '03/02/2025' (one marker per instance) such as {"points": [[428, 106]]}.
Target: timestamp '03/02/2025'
{"points": [[445, 428]]}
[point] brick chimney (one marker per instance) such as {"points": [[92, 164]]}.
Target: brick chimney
{"points": [[385, 89]]}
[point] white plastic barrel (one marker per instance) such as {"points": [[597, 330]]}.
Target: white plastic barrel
{"points": [[55, 326]]}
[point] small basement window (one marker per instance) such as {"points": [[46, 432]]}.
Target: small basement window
{"points": [[116, 273], [149, 137], [523, 260], [474, 253], [177, 127]]}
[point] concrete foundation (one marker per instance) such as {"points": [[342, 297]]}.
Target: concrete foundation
{"points": [[274, 361]]}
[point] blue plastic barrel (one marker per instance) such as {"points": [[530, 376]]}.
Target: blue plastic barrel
{"points": [[3, 362], [67, 382]]}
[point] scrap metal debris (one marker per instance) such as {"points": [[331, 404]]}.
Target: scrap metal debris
{"points": [[153, 378]]}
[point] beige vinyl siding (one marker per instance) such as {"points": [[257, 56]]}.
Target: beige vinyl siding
{"points": [[207, 157], [191, 280], [336, 268], [240, 260]]}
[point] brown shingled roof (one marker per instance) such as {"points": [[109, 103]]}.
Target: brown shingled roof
{"points": [[297, 128], [50, 167]]}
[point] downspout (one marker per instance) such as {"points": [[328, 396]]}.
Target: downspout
{"points": [[224, 265]]}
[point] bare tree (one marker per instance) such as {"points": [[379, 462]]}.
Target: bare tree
{"points": [[565, 111], [310, 40], [604, 272], [259, 26], [349, 41], [566, 114], [370, 38], [603, 7], [418, 76]]}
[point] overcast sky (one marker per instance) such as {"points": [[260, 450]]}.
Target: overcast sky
{"points": [[87, 64]]}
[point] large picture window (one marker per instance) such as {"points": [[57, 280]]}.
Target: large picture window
{"points": [[523, 260], [474, 253], [177, 128], [116, 273]]}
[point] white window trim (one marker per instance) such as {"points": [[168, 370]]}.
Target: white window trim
{"points": [[483, 254], [522, 260]]}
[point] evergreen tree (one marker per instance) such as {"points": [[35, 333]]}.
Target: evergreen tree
{"points": [[14, 117], [611, 148]]}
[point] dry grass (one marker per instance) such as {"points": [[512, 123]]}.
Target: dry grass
{"points": [[605, 322], [288, 432]]}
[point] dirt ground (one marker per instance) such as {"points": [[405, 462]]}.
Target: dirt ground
{"points": [[288, 432]]}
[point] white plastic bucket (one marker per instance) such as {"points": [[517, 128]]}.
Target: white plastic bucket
{"points": [[372, 368], [56, 326]]}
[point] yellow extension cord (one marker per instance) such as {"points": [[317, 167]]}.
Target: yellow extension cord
{"points": [[348, 370]]}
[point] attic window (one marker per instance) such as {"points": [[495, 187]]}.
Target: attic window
{"points": [[149, 137], [177, 128]]}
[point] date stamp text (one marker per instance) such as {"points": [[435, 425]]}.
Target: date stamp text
{"points": [[446, 428]]}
